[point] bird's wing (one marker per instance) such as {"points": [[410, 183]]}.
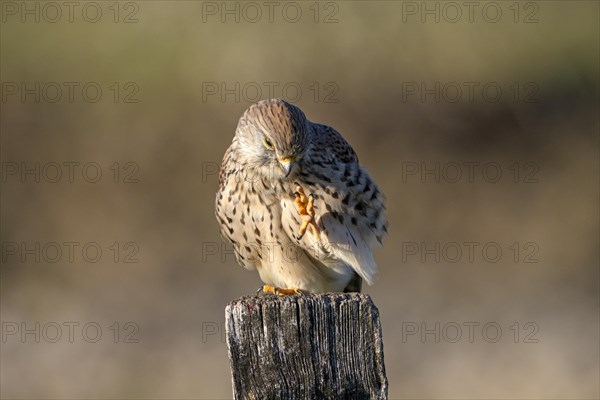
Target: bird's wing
{"points": [[349, 207]]}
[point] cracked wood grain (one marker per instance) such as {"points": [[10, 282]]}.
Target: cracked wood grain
{"points": [[317, 346]]}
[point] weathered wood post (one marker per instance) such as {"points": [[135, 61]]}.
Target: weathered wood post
{"points": [[317, 346]]}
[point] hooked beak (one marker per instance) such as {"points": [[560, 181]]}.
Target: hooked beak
{"points": [[286, 164]]}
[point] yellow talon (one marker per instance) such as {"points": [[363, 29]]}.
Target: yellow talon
{"points": [[267, 289], [305, 206], [279, 291]]}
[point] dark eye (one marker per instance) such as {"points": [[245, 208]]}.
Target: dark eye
{"points": [[268, 144]]}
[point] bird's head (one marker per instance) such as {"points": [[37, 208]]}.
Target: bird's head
{"points": [[273, 136]]}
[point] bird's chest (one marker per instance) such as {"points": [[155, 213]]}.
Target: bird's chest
{"points": [[262, 210], [251, 209]]}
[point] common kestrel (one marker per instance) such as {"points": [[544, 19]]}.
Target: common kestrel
{"points": [[296, 204]]}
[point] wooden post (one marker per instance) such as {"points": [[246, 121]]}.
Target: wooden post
{"points": [[316, 346]]}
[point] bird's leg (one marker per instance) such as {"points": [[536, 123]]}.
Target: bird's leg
{"points": [[279, 291], [305, 206]]}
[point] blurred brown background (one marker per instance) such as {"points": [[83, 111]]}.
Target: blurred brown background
{"points": [[360, 67]]}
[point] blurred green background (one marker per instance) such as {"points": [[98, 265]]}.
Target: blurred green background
{"points": [[357, 65]]}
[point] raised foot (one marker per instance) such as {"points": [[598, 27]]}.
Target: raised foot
{"points": [[279, 291], [305, 206]]}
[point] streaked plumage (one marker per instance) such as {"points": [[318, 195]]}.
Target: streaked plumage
{"points": [[275, 146]]}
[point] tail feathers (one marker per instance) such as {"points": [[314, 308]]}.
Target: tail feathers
{"points": [[348, 245]]}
